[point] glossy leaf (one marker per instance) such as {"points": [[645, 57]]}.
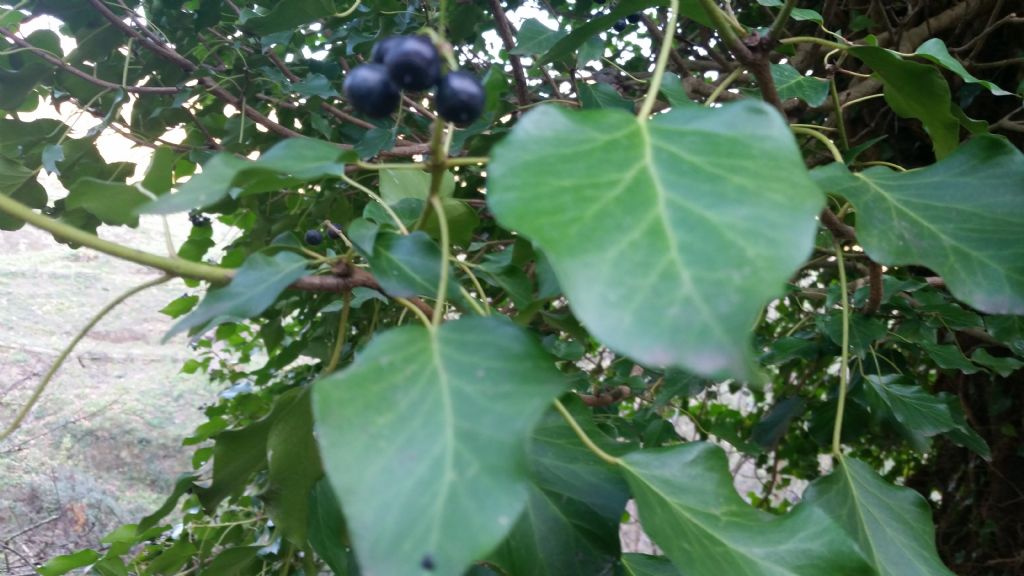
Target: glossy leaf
{"points": [[893, 525], [974, 241], [535, 38], [408, 265], [690, 509], [915, 90], [285, 164], [666, 236], [936, 51], [435, 422], [571, 522], [792, 84], [293, 464], [254, 288]]}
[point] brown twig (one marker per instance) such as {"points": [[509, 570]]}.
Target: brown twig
{"points": [[505, 31], [607, 397], [875, 294]]}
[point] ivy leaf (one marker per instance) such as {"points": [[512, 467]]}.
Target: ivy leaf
{"points": [[327, 530], [919, 413], [293, 464], [409, 265], [602, 95], [290, 15], [423, 439], [974, 241], [535, 38], [254, 288], [688, 506], [915, 90], [1004, 366], [571, 523], [398, 184], [667, 236], [792, 84], [68, 562], [237, 455], [936, 51], [893, 525], [287, 163], [949, 357], [112, 202], [646, 565]]}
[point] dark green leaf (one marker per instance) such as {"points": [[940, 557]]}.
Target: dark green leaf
{"points": [[435, 423], [68, 562], [111, 202], [667, 236], [793, 84], [775, 423], [974, 241], [936, 51], [645, 565], [254, 288], [327, 530], [182, 485], [290, 15], [690, 509], [915, 90], [602, 95], [294, 464], [408, 265], [535, 38], [1004, 365], [232, 561], [893, 525]]}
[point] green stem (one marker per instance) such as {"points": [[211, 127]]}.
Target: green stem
{"points": [[844, 358], [836, 154], [467, 161], [41, 387], [659, 67], [339, 341], [840, 123], [415, 309], [392, 166], [378, 200], [349, 10], [476, 284], [173, 266], [781, 18], [723, 85], [438, 162], [863, 99], [608, 458], [814, 40], [442, 284]]}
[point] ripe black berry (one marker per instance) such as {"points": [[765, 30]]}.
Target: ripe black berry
{"points": [[633, 18], [332, 231], [198, 219], [413, 63], [370, 91], [382, 47], [460, 98], [619, 26], [314, 237]]}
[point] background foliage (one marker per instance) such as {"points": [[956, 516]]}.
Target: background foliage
{"points": [[666, 278]]}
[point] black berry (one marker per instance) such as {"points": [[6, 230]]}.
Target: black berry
{"points": [[332, 231], [382, 47], [314, 237], [619, 26], [198, 220], [370, 91], [460, 98], [413, 63], [633, 18]]}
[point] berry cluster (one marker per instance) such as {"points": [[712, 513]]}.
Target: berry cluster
{"points": [[412, 63], [198, 219], [315, 237], [621, 24]]}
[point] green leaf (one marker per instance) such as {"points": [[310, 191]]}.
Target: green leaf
{"points": [[535, 38], [915, 90], [171, 559], [667, 236], [936, 51], [1008, 330], [52, 154], [674, 91], [423, 440], [237, 455], [646, 565], [1004, 365], [775, 423], [183, 484], [232, 561], [923, 217], [290, 15], [287, 163], [398, 184], [254, 288], [893, 525], [68, 562], [462, 221], [919, 413], [112, 202], [180, 306], [792, 84], [293, 464], [314, 85], [327, 530], [602, 95], [688, 506], [571, 523], [408, 265], [160, 175], [950, 357]]}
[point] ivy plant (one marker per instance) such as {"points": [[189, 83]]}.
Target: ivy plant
{"points": [[497, 269]]}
